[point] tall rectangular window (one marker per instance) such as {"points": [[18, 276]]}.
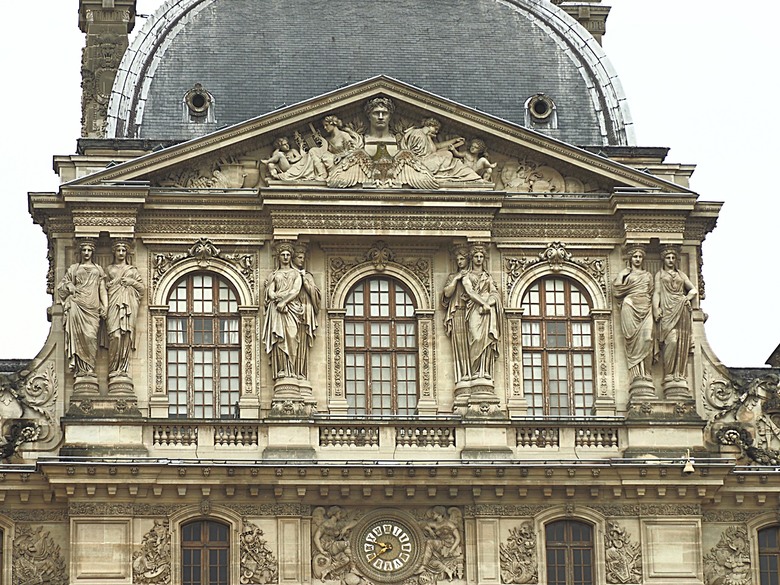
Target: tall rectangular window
{"points": [[380, 335]]}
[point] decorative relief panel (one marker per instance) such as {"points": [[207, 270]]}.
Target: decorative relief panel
{"points": [[518, 556], [387, 546], [747, 416], [152, 563], [36, 558], [728, 563], [258, 564], [27, 409], [623, 557]]}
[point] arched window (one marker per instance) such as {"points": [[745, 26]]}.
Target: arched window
{"points": [[569, 546], [557, 348], [205, 553], [380, 338], [203, 370], [769, 555]]}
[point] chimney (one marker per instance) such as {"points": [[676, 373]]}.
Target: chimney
{"points": [[107, 24]]}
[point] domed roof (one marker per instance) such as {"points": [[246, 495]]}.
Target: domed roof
{"points": [[254, 56]]}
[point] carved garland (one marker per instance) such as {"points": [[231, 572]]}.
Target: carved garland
{"points": [[202, 250], [380, 255]]}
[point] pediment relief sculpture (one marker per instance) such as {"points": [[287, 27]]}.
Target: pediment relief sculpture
{"points": [[380, 146]]}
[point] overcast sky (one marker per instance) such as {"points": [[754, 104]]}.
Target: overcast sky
{"points": [[699, 76]]}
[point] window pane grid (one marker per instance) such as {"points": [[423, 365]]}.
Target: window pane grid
{"points": [[204, 348], [769, 555], [559, 379], [205, 553], [380, 330], [569, 553]]}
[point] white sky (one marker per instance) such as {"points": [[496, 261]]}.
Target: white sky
{"points": [[699, 79]]}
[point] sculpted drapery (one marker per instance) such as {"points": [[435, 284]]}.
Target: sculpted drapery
{"points": [[634, 288], [283, 314], [455, 300], [125, 288], [672, 308], [483, 314], [84, 299], [310, 299]]}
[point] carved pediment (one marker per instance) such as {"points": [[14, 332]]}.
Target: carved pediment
{"points": [[380, 134]]}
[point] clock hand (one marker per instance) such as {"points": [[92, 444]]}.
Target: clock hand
{"points": [[383, 548]]}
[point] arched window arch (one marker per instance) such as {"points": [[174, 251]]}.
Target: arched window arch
{"points": [[769, 555], [205, 553], [557, 337], [381, 352], [203, 372], [570, 553]]}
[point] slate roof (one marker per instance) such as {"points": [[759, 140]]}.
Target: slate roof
{"points": [[255, 56]]}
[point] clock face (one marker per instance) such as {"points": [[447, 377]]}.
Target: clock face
{"points": [[387, 549]]}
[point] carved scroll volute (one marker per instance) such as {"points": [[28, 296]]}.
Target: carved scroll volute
{"points": [[515, 399], [428, 399], [337, 400]]}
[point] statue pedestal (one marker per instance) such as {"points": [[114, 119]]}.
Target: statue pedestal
{"points": [[676, 389], [483, 401], [85, 387], [292, 399], [641, 389], [120, 385]]}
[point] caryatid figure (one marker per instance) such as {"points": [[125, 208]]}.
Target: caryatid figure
{"points": [[455, 300], [125, 289], [84, 300], [283, 314], [310, 299], [672, 309], [634, 287]]}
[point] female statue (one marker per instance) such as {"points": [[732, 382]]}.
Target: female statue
{"points": [[125, 289], [483, 312], [455, 300], [634, 288], [84, 300], [283, 314], [310, 299], [672, 309]]}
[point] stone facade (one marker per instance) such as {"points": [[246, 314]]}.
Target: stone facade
{"points": [[379, 337]]}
